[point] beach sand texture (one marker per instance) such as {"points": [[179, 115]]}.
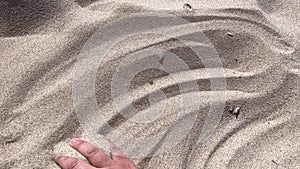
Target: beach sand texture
{"points": [[258, 42]]}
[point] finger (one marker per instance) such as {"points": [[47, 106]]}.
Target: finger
{"points": [[71, 163], [92, 153], [116, 153]]}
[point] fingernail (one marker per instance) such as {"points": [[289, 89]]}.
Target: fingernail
{"points": [[74, 141]]}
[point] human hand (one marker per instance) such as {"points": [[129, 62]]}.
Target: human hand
{"points": [[96, 157]]}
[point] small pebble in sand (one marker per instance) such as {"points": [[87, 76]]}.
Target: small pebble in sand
{"points": [[161, 61], [235, 111], [187, 7], [230, 34]]}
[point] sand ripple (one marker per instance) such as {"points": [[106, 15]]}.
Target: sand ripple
{"points": [[260, 56]]}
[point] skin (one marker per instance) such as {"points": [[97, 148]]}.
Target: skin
{"points": [[96, 157]]}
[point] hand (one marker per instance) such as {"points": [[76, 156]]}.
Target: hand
{"points": [[96, 157]]}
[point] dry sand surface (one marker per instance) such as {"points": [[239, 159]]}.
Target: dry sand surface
{"points": [[258, 42]]}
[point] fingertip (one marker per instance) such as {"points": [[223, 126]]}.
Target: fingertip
{"points": [[74, 141]]}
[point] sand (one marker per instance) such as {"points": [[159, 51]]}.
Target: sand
{"points": [[258, 43]]}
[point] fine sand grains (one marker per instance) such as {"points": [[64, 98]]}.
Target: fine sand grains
{"points": [[257, 42]]}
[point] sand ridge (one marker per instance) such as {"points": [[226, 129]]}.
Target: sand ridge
{"points": [[258, 44]]}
